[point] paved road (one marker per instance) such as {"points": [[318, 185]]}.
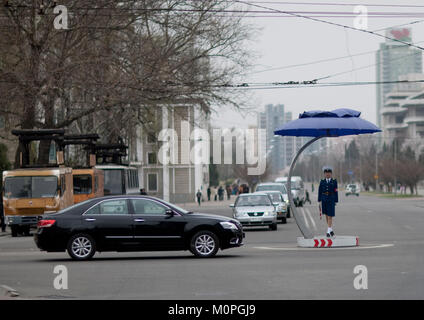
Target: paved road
{"points": [[269, 266]]}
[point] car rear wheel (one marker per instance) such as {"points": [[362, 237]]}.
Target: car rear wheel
{"points": [[204, 244], [81, 247]]}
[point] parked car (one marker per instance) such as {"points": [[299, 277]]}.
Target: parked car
{"points": [[255, 209], [134, 223], [280, 204], [275, 186], [352, 189], [297, 189]]}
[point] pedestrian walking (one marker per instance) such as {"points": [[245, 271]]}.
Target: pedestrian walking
{"points": [[208, 191], [228, 189], [307, 197], [199, 196], [328, 197], [220, 193]]}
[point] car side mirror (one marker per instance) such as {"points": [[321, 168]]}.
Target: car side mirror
{"points": [[169, 212], [58, 190], [231, 205], [276, 204]]}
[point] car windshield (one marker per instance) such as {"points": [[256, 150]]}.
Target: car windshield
{"points": [[275, 197], [252, 201], [272, 187], [295, 185], [30, 187]]}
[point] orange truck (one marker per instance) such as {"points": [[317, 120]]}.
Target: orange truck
{"points": [[34, 190]]}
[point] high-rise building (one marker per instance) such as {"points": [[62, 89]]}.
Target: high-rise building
{"points": [[403, 113], [271, 118], [280, 150], [395, 59]]}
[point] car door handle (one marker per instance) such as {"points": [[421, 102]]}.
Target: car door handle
{"points": [[90, 219], [139, 220]]}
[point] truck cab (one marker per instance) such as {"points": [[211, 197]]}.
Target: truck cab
{"points": [[29, 193]]}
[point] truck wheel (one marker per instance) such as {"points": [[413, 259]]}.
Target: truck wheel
{"points": [[14, 230], [26, 231]]}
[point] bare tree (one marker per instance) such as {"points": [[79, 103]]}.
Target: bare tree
{"points": [[116, 61]]}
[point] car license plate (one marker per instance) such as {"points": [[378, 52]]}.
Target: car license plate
{"points": [[255, 219]]}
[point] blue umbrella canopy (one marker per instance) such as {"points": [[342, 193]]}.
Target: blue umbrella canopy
{"points": [[336, 123]]}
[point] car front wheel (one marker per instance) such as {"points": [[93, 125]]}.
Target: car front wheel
{"points": [[204, 244], [81, 247], [273, 227]]}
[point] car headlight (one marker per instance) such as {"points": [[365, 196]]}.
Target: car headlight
{"points": [[269, 213], [228, 225], [241, 214]]}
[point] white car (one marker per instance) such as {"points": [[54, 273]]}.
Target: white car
{"points": [[275, 186], [297, 189], [280, 204], [255, 209], [352, 189]]}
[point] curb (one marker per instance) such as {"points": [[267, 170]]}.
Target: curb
{"points": [[324, 242]]}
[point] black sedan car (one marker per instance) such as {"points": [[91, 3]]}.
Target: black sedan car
{"points": [[134, 223]]}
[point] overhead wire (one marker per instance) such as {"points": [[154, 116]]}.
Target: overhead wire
{"points": [[331, 23]]}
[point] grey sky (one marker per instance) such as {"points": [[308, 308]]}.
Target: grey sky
{"points": [[289, 41]]}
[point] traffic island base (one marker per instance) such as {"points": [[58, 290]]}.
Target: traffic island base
{"points": [[324, 242]]}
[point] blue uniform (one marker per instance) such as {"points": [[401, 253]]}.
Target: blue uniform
{"points": [[328, 195]]}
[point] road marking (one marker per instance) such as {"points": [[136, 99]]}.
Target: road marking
{"points": [[312, 219], [387, 245], [304, 217]]}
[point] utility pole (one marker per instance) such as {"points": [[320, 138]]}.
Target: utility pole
{"points": [[395, 156], [377, 186], [360, 168]]}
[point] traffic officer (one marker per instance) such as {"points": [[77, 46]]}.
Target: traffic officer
{"points": [[328, 197]]}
